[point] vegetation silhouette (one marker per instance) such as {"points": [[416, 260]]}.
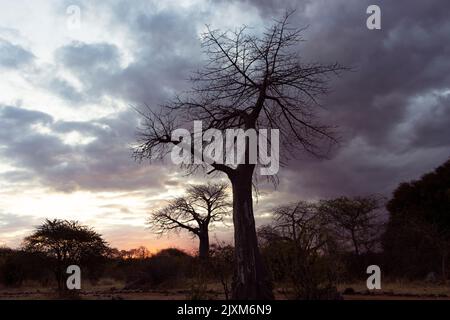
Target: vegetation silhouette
{"points": [[417, 238], [65, 243]]}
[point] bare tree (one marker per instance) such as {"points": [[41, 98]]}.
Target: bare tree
{"points": [[357, 221], [222, 256], [195, 212], [249, 82], [299, 237], [301, 223]]}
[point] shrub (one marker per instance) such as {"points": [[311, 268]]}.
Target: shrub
{"points": [[166, 268]]}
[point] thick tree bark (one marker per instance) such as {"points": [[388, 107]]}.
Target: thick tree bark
{"points": [[251, 280], [203, 251]]}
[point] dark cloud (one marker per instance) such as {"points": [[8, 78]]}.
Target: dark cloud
{"points": [[392, 109], [269, 8], [432, 125], [102, 164], [375, 105], [84, 58], [165, 50]]}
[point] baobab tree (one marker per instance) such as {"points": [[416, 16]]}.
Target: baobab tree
{"points": [[202, 206], [249, 83]]}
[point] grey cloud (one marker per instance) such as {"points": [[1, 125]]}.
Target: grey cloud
{"points": [[66, 90], [95, 65], [392, 109], [88, 57], [13, 56], [432, 129], [103, 164], [385, 139], [165, 51], [16, 117]]}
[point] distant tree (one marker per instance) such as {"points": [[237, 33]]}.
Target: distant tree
{"points": [[11, 271], [115, 253], [221, 263], [297, 245], [66, 242], [195, 212], [417, 238], [17, 266], [249, 82], [356, 221], [136, 253]]}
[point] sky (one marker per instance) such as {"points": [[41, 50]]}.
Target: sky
{"points": [[68, 89]]}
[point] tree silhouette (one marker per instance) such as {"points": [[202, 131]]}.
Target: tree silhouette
{"points": [[356, 221], [418, 231], [298, 242], [195, 212], [222, 256], [249, 82], [67, 242]]}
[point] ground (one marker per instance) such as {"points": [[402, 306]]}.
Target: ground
{"points": [[112, 290]]}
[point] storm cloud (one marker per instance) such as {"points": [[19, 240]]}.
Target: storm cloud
{"points": [[41, 149], [71, 124]]}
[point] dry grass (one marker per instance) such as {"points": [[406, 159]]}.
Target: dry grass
{"points": [[401, 289]]}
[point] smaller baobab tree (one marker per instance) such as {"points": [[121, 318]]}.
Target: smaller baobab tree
{"points": [[195, 212]]}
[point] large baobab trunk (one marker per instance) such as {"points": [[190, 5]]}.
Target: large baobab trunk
{"points": [[250, 280], [203, 251]]}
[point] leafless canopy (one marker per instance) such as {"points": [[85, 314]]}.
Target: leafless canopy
{"points": [[249, 82], [357, 221], [202, 205], [299, 222]]}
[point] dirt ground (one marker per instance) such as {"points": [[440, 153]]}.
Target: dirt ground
{"points": [[112, 291]]}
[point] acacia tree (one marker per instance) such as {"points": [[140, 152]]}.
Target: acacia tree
{"points": [[249, 82], [66, 242], [194, 212]]}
